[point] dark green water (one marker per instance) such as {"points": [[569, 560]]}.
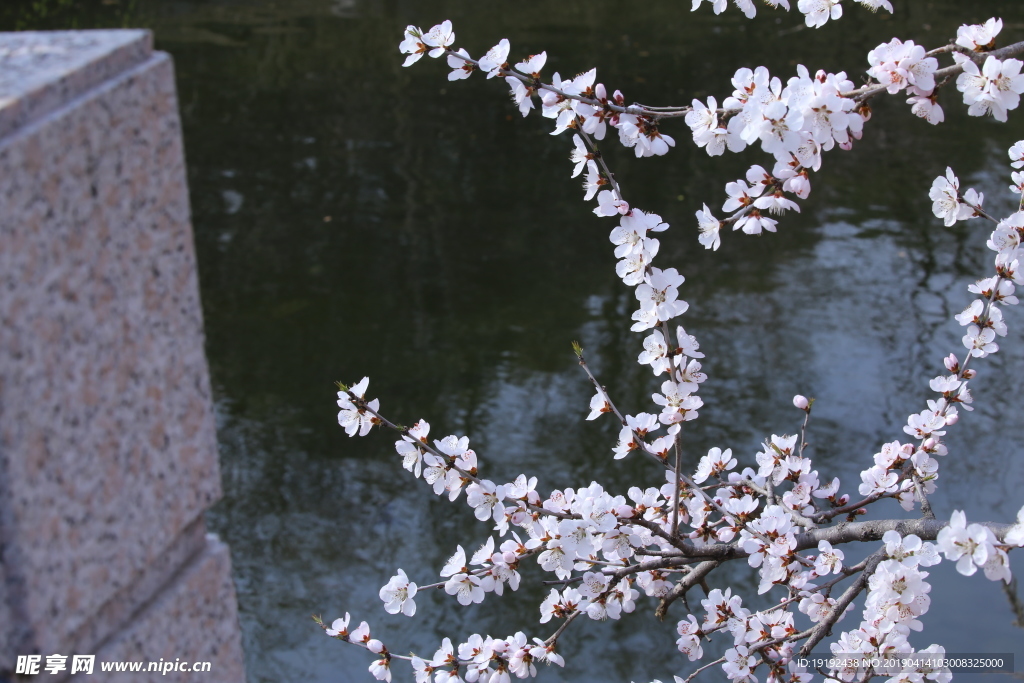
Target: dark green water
{"points": [[356, 218]]}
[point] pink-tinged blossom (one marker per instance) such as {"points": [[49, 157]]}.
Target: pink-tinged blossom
{"points": [[630, 237], [816, 606], [411, 447], [997, 568], [1006, 238], [689, 638], [688, 345], [979, 36], [981, 342], [354, 419], [361, 634], [655, 353], [599, 404], [722, 608], [878, 480], [593, 181], [691, 372], [710, 228], [738, 661], [970, 546], [412, 45], [713, 464], [398, 595], [718, 6], [608, 205], [439, 38], [580, 155], [632, 269], [626, 444], [678, 405], [875, 5], [1015, 536], [829, 560], [381, 669], [533, 64], [754, 223], [495, 60], [455, 564], [998, 290], [1018, 182], [945, 196], [701, 118], [776, 203], [898, 65], [1016, 153], [1005, 83], [910, 550], [522, 94], [994, 89], [799, 183], [339, 627], [659, 293], [486, 500], [818, 12], [467, 588], [561, 605], [925, 104], [461, 68]]}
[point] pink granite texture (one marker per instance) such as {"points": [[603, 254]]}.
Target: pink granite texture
{"points": [[108, 455]]}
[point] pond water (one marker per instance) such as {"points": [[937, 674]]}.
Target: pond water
{"points": [[356, 218]]}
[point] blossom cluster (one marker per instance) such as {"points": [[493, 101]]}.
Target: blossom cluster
{"points": [[479, 658], [606, 549], [816, 12], [794, 123]]}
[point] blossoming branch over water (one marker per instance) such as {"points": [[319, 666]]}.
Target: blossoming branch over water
{"points": [[781, 516]]}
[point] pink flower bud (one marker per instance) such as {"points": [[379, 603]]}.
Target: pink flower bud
{"points": [[374, 646], [843, 499], [800, 402], [929, 444], [951, 363], [969, 374], [624, 511], [509, 557], [952, 419]]}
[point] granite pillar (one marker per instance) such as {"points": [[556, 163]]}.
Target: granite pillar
{"points": [[108, 456]]}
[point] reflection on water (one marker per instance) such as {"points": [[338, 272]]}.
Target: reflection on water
{"points": [[355, 218]]}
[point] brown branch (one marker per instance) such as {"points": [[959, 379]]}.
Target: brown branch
{"points": [[684, 584]]}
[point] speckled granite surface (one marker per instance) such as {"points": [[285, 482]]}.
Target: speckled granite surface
{"points": [[45, 70], [190, 621], [108, 455]]}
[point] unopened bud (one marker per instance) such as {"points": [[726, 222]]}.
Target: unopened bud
{"points": [[951, 363], [929, 444], [509, 557], [374, 646], [801, 402], [860, 511], [624, 511], [969, 373], [843, 499], [952, 419]]}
